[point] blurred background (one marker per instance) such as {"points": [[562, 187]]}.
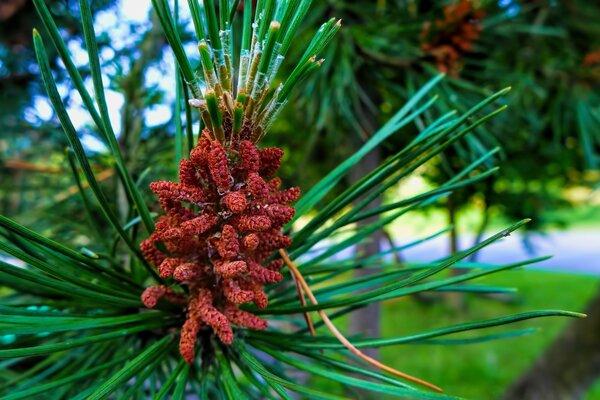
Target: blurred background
{"points": [[548, 144]]}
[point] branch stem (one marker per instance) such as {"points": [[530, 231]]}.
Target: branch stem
{"points": [[302, 298], [298, 276]]}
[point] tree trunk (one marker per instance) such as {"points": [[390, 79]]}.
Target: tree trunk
{"points": [[451, 208], [365, 321], [569, 366], [456, 300]]}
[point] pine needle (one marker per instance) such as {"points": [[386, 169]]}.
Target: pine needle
{"points": [[341, 337]]}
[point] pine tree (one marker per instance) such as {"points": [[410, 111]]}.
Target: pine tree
{"points": [[210, 298]]}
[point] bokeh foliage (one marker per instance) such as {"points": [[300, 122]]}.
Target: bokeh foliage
{"points": [[72, 312]]}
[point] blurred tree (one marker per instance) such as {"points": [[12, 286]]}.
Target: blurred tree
{"points": [[18, 71], [22, 128], [547, 51], [373, 75], [32, 160], [570, 365], [391, 47]]}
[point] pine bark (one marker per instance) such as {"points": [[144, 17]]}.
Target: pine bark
{"points": [[569, 366]]}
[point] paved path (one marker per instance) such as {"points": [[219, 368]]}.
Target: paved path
{"points": [[572, 251]]}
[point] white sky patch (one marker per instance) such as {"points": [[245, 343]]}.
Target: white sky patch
{"points": [[157, 115], [105, 19], [196, 126], [93, 144], [114, 101], [63, 89], [163, 77], [154, 76], [106, 53], [78, 53], [167, 82], [43, 108], [135, 11], [191, 48], [79, 116]]}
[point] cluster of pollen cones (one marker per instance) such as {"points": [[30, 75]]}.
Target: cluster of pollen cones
{"points": [[223, 221], [592, 58], [451, 36]]}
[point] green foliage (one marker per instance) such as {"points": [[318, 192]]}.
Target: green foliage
{"points": [[549, 140], [71, 314], [487, 367]]}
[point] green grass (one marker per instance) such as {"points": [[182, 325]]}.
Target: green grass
{"points": [[583, 217], [482, 371]]}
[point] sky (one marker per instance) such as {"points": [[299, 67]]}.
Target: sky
{"points": [[115, 22]]}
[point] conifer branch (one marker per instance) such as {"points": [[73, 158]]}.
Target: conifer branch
{"points": [[341, 337]]}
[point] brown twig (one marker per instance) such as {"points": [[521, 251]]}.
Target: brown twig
{"points": [[72, 190], [27, 166], [300, 292], [341, 337]]}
